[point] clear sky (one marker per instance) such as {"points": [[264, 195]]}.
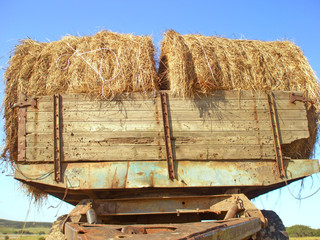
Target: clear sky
{"points": [[295, 20]]}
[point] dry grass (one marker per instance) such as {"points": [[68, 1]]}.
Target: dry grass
{"points": [[195, 65]]}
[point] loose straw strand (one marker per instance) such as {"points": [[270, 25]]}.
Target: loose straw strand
{"points": [[105, 82], [205, 54]]}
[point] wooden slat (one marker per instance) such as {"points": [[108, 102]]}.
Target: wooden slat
{"points": [[202, 105], [229, 125], [131, 153], [114, 116], [110, 153], [95, 116], [177, 126], [216, 95], [150, 138]]}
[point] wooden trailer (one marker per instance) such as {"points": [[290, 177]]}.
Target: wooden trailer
{"points": [[157, 158]]}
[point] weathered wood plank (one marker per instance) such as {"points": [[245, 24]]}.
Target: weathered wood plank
{"points": [[110, 153], [229, 125], [144, 153], [219, 94], [113, 116], [214, 152], [151, 138], [96, 116], [207, 106], [177, 126], [202, 105], [209, 126], [141, 105]]}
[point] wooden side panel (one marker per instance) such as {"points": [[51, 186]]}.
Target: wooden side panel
{"points": [[231, 125]]}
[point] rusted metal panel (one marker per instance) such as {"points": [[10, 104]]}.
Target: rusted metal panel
{"points": [[223, 206], [139, 174], [236, 229]]}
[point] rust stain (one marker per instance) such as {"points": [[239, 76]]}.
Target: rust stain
{"points": [[159, 134], [128, 140], [115, 181], [152, 179], [157, 114], [256, 118], [185, 140], [126, 177], [214, 155]]}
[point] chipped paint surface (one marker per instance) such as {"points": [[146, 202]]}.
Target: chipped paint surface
{"points": [[140, 174]]}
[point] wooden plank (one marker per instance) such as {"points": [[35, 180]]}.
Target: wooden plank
{"points": [[110, 153], [202, 105], [141, 105], [206, 126], [220, 94], [113, 116], [152, 138], [223, 126], [215, 152], [207, 106], [95, 116], [144, 153]]}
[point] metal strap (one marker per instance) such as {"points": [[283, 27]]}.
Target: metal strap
{"points": [[275, 133], [57, 137], [22, 113], [164, 107]]}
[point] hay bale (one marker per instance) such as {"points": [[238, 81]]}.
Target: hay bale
{"points": [[195, 64], [102, 65]]}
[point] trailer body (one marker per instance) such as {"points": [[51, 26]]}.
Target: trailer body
{"points": [[155, 156]]}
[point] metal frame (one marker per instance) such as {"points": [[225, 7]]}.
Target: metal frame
{"points": [[236, 229], [22, 115], [240, 218], [57, 134], [166, 125], [294, 97], [275, 134]]}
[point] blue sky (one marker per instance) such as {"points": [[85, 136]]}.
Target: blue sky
{"points": [[264, 20]]}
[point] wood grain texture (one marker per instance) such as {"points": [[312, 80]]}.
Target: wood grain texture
{"points": [[230, 125]]}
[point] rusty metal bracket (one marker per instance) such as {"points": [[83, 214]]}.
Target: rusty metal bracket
{"points": [[275, 133], [294, 98], [57, 134], [77, 214], [166, 125], [24, 102], [22, 114]]}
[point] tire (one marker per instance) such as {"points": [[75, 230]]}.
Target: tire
{"points": [[55, 233], [275, 229]]}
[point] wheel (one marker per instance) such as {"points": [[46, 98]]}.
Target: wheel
{"points": [[55, 233], [275, 229]]}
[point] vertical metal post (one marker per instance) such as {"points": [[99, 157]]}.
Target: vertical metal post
{"points": [[57, 136], [22, 114], [166, 125], [275, 133]]}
